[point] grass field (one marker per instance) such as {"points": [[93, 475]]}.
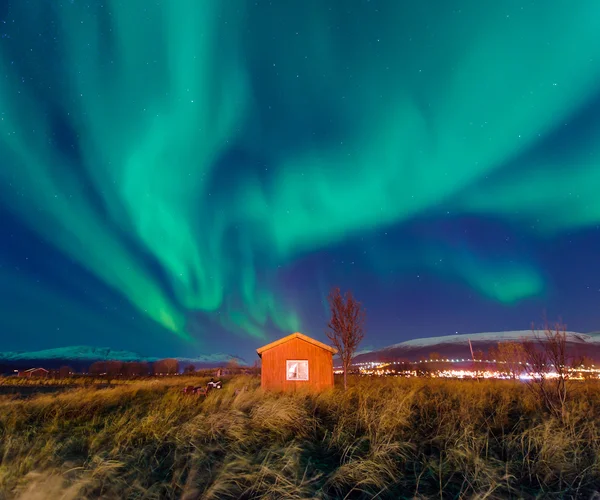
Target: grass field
{"points": [[383, 438]]}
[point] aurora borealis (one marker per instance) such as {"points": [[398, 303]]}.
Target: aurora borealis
{"points": [[194, 178]]}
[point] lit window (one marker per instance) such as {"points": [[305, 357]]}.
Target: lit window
{"points": [[296, 369]]}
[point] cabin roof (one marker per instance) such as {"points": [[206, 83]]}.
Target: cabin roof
{"points": [[296, 335], [34, 370]]}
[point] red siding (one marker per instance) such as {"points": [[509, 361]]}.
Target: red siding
{"points": [[38, 372], [320, 366]]}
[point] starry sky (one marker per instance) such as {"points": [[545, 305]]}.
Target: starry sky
{"points": [[181, 177]]}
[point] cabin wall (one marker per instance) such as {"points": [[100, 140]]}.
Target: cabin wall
{"points": [[320, 366]]}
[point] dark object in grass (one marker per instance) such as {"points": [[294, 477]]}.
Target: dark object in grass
{"points": [[203, 391], [215, 385]]}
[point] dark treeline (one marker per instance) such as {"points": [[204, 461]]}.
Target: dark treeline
{"points": [[115, 369]]}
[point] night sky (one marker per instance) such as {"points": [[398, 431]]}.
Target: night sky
{"points": [[181, 177]]}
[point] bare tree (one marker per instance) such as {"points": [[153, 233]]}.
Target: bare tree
{"points": [[345, 328], [232, 365], [129, 369], [510, 358], [583, 365], [107, 369], [256, 367], [114, 369], [144, 368], [172, 366], [98, 368], [479, 365], [479, 355], [135, 369], [548, 365], [168, 366]]}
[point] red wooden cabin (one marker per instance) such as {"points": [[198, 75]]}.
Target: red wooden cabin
{"points": [[34, 373], [296, 361]]}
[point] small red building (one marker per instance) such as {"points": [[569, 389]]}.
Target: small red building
{"points": [[296, 361], [34, 373]]}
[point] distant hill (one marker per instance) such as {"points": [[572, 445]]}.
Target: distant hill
{"points": [[457, 346], [79, 357]]}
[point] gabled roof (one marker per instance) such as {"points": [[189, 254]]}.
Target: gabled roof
{"points": [[296, 335], [34, 370]]}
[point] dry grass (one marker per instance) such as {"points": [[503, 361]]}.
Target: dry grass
{"points": [[383, 438], [58, 382]]}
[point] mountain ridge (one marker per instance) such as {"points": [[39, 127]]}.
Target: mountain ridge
{"points": [[91, 354], [457, 345], [503, 336]]}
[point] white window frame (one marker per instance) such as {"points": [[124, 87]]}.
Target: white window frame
{"points": [[288, 362]]}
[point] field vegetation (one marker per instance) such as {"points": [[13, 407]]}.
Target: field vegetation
{"points": [[76, 380], [382, 438]]}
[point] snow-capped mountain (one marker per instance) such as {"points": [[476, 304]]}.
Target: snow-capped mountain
{"points": [[515, 336], [87, 354], [82, 353], [457, 346]]}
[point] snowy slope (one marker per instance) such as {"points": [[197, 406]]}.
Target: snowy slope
{"points": [[517, 335], [457, 346], [87, 353], [83, 353]]}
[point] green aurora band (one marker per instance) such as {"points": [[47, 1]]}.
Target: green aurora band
{"points": [[363, 121]]}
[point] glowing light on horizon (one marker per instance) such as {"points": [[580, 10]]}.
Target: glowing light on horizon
{"points": [[374, 368]]}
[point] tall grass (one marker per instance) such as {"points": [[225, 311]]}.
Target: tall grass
{"points": [[383, 438], [77, 380]]}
